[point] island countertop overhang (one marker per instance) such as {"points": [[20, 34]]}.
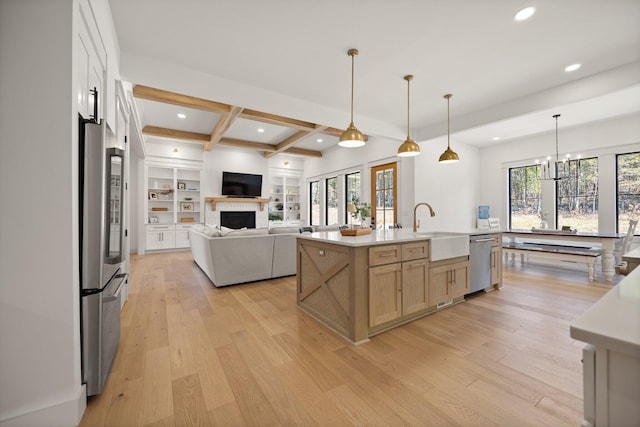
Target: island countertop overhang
{"points": [[385, 237]]}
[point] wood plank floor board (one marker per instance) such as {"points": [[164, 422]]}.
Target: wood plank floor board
{"points": [[189, 408], [194, 354]]}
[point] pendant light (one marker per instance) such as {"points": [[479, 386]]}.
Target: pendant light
{"points": [[449, 156], [558, 169], [409, 147], [352, 136]]}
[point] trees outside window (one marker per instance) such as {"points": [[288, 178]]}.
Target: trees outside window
{"points": [[352, 193], [525, 198], [577, 196], [314, 203], [331, 191], [627, 189], [384, 184]]}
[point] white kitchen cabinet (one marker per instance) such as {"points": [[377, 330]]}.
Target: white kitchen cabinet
{"points": [[161, 237], [90, 66], [182, 236]]}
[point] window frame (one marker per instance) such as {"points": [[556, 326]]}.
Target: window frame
{"points": [[578, 194], [510, 189], [617, 171], [311, 204], [374, 189], [326, 199]]}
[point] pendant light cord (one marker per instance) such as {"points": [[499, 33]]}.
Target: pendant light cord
{"points": [[408, 106], [448, 96], [353, 54]]}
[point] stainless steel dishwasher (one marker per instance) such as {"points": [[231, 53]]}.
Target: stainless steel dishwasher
{"points": [[480, 262]]}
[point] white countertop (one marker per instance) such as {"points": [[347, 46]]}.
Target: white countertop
{"points": [[382, 237], [614, 321]]}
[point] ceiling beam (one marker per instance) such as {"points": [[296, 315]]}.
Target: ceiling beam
{"points": [[159, 95], [231, 142], [303, 152], [222, 126], [293, 139], [203, 137], [274, 119], [175, 133]]}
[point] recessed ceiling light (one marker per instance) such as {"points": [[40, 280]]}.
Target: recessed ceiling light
{"points": [[495, 138], [525, 13], [572, 67], [182, 116], [260, 130], [319, 140]]}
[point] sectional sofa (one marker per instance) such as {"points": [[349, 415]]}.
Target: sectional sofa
{"points": [[230, 257]]}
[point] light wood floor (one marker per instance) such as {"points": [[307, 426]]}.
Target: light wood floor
{"points": [[192, 354]]}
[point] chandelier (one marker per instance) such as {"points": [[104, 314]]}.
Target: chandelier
{"points": [[558, 169]]}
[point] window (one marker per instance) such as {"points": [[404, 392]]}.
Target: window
{"points": [[627, 189], [577, 196], [314, 203], [525, 198], [384, 194], [352, 193], [331, 191]]}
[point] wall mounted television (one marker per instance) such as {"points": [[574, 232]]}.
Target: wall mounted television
{"points": [[241, 184]]}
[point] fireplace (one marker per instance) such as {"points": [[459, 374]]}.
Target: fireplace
{"points": [[238, 219]]}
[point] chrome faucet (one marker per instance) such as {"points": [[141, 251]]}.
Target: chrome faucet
{"points": [[416, 224]]}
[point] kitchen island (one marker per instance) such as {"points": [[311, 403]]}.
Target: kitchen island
{"points": [[359, 286], [611, 357]]}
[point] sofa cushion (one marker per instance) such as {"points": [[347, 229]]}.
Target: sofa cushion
{"points": [[284, 230], [211, 231], [243, 232]]}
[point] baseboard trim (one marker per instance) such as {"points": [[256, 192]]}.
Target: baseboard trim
{"points": [[64, 414]]}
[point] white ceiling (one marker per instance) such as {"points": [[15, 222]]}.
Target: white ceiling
{"points": [[506, 77]]}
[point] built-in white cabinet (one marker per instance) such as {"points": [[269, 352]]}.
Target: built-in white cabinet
{"points": [[173, 203], [161, 237], [285, 208], [90, 65]]}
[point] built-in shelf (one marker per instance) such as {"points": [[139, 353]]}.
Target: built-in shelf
{"points": [[214, 200]]}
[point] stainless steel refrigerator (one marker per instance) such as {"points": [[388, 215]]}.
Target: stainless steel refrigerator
{"points": [[101, 234]]}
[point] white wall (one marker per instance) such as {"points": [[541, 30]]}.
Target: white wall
{"points": [[452, 190], [602, 139], [39, 295]]}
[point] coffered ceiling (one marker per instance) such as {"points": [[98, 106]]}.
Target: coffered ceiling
{"points": [[235, 66]]}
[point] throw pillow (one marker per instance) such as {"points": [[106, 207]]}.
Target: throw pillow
{"points": [[211, 231]]}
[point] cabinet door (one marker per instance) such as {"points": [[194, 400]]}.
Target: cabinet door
{"points": [[459, 279], [415, 286], [385, 296], [182, 239], [439, 280], [496, 266], [153, 240], [168, 239]]}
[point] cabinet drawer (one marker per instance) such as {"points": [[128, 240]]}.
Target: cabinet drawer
{"points": [[496, 240], [170, 227], [415, 250], [186, 226], [379, 255]]}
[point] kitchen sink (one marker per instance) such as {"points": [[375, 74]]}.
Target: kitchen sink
{"points": [[446, 245]]}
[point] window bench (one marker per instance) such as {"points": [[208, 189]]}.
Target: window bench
{"points": [[563, 253]]}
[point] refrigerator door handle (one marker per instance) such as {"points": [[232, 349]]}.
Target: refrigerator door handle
{"points": [[116, 294]]}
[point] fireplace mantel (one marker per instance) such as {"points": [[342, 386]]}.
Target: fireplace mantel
{"points": [[214, 200]]}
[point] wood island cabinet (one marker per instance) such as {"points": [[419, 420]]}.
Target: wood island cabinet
{"points": [[397, 289], [362, 290], [448, 281], [385, 293]]}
